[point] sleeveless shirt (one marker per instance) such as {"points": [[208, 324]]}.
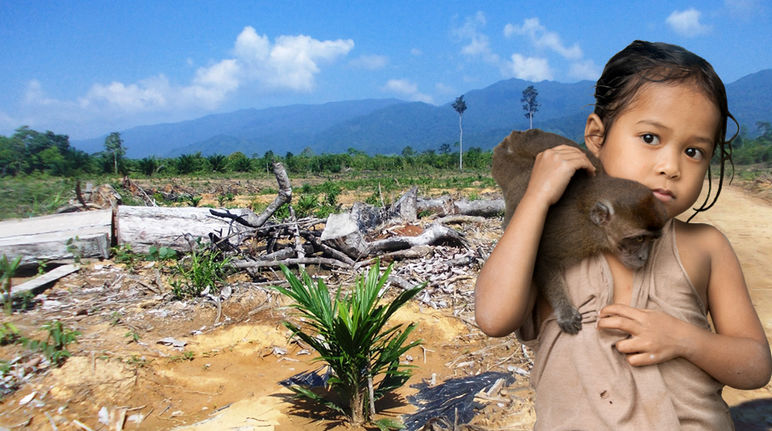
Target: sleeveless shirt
{"points": [[583, 383]]}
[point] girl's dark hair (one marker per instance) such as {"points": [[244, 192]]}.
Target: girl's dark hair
{"points": [[643, 62]]}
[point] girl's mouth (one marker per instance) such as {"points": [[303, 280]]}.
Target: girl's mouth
{"points": [[663, 195]]}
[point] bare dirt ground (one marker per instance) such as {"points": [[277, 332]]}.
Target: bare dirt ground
{"points": [[227, 374]]}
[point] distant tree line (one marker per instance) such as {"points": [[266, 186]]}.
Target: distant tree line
{"points": [[28, 152], [749, 151]]}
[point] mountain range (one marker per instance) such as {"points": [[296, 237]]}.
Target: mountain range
{"points": [[386, 126]]}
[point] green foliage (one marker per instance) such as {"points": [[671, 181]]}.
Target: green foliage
{"points": [[750, 151], [149, 166], [225, 197], [202, 268], [185, 356], [239, 162], [55, 345], [9, 334], [123, 254], [282, 213], [349, 333], [114, 146], [194, 200], [190, 163], [72, 248], [32, 195], [28, 151], [7, 271], [306, 205], [218, 163], [132, 335], [161, 253]]}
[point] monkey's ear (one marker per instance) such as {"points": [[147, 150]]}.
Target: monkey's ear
{"points": [[601, 212], [594, 133]]}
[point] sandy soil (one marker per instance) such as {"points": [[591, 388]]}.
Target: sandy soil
{"points": [[227, 374]]}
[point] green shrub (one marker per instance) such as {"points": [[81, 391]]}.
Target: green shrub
{"points": [[202, 268], [7, 271], [349, 333], [55, 346]]}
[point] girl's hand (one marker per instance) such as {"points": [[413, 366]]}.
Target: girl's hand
{"points": [[655, 336], [553, 169]]}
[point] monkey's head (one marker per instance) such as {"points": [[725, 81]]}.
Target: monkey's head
{"points": [[631, 218]]}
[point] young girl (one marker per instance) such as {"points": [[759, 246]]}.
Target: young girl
{"points": [[646, 358]]}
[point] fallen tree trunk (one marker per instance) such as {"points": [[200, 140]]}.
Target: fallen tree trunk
{"points": [[173, 227], [446, 205], [57, 237]]}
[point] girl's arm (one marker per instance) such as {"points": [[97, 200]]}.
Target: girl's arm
{"points": [[737, 354], [504, 293]]}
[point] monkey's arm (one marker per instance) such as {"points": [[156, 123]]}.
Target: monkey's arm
{"points": [[737, 354], [504, 293]]}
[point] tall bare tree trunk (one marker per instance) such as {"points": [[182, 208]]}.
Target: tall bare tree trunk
{"points": [[460, 142]]}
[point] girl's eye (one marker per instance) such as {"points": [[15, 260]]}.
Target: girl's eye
{"points": [[649, 138], [695, 153]]}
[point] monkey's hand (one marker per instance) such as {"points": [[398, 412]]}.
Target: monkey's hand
{"points": [[553, 169], [569, 319], [655, 336]]}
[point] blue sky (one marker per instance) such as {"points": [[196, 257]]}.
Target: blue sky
{"points": [[86, 68]]}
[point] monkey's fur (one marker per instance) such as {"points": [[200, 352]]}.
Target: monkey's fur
{"points": [[596, 214]]}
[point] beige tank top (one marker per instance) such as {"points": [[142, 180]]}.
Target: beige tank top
{"points": [[583, 383]]}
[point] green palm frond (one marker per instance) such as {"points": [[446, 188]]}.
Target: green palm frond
{"points": [[349, 333]]}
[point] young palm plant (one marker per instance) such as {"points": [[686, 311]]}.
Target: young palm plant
{"points": [[350, 335]]}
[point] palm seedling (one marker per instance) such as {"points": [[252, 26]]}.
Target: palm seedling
{"points": [[349, 333]]}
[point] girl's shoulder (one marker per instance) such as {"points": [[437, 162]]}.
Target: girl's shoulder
{"points": [[703, 236], [700, 245]]}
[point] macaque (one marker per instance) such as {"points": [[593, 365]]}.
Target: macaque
{"points": [[596, 214]]}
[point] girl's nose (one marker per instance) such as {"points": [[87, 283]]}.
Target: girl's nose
{"points": [[668, 165]]}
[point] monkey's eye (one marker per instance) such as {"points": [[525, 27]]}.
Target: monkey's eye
{"points": [[650, 138], [639, 239]]}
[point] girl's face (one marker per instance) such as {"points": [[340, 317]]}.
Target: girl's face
{"points": [[664, 139]]}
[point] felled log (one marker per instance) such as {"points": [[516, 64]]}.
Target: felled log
{"points": [[39, 282], [174, 227], [57, 237], [446, 205], [143, 227]]}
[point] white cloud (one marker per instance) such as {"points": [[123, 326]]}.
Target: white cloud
{"points": [[687, 23], [542, 38], [408, 89], [370, 62], [585, 69], [289, 63], [477, 43], [144, 95], [528, 68]]}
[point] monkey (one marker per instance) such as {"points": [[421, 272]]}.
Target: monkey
{"points": [[596, 214]]}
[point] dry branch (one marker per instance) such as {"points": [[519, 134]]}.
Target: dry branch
{"points": [[245, 264]]}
